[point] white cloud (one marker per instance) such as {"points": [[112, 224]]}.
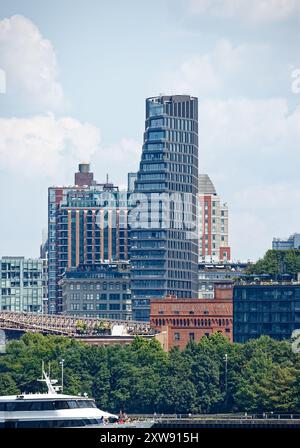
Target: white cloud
{"points": [[224, 69], [117, 160], [261, 212], [45, 146], [251, 150], [195, 74], [41, 151], [246, 126], [30, 64], [248, 10]]}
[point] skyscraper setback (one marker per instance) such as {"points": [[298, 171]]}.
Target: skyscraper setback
{"points": [[165, 255]]}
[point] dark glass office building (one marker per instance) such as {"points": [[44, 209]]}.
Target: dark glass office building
{"points": [[164, 243], [272, 310]]}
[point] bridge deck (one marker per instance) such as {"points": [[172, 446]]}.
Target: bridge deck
{"points": [[67, 325]]}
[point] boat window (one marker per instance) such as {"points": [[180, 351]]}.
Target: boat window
{"points": [[86, 404], [73, 404], [24, 406], [59, 423], [60, 404], [47, 405], [34, 406]]}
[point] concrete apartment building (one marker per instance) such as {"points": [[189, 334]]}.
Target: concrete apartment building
{"points": [[21, 284]]}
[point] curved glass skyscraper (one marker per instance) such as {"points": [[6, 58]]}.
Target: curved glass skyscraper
{"points": [[164, 238]]}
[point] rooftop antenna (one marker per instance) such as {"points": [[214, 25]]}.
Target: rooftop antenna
{"points": [[62, 375], [46, 379], [107, 179]]}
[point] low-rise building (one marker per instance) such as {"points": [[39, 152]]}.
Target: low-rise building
{"points": [[265, 308], [210, 274], [98, 290], [21, 284], [182, 320], [292, 242]]}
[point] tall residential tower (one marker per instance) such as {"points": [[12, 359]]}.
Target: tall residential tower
{"points": [[164, 250], [87, 224], [213, 224]]}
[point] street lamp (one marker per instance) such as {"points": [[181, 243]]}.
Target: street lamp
{"points": [[62, 375], [226, 370]]}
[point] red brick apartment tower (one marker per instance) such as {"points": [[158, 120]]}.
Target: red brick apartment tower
{"points": [[182, 320], [213, 224]]}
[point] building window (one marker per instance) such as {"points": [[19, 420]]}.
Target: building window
{"points": [[177, 336], [192, 336]]}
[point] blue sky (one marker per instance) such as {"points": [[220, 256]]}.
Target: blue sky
{"points": [[77, 74]]}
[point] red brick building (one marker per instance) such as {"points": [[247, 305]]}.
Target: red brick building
{"points": [[182, 320]]}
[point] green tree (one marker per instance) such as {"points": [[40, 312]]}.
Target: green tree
{"points": [[277, 262]]}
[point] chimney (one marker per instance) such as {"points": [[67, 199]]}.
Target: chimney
{"points": [[83, 177]]}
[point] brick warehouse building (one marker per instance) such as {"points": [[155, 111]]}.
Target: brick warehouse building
{"points": [[182, 320]]}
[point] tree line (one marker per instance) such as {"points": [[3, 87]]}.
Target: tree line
{"points": [[277, 262], [261, 375]]}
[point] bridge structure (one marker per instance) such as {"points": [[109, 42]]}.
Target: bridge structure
{"points": [[71, 326]]}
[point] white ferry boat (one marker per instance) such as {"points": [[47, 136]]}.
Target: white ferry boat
{"points": [[51, 409]]}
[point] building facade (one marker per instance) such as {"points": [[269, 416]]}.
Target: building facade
{"points": [[164, 249], [101, 290], [212, 273], [182, 320], [265, 309], [21, 284], [293, 242], [87, 224], [213, 224], [131, 178]]}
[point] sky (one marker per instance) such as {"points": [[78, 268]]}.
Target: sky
{"points": [[76, 77]]}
